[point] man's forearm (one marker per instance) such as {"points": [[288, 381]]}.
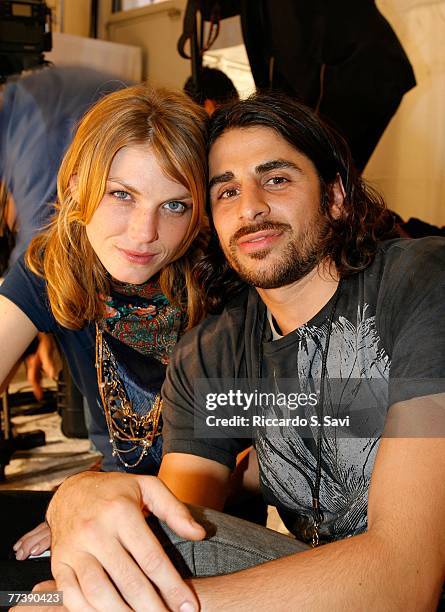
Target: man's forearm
{"points": [[359, 573]]}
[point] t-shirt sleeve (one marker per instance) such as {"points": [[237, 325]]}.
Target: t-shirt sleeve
{"points": [[412, 312], [28, 292], [204, 352]]}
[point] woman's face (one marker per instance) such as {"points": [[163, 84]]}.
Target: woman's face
{"points": [[142, 218]]}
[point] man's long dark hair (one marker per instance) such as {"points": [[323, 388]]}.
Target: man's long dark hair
{"points": [[350, 240]]}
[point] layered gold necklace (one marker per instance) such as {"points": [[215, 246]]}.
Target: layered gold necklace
{"points": [[125, 426]]}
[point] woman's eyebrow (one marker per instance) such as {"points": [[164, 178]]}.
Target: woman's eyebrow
{"points": [[221, 178], [123, 184], [181, 195]]}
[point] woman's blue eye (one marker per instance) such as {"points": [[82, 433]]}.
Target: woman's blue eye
{"points": [[175, 206], [121, 195]]}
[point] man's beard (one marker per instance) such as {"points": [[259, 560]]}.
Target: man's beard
{"points": [[298, 258]]}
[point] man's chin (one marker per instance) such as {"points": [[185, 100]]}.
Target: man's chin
{"points": [[272, 276]]}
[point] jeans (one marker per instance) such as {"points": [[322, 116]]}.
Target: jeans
{"points": [[232, 544]]}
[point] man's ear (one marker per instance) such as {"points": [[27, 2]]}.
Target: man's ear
{"points": [[337, 196], [210, 106]]}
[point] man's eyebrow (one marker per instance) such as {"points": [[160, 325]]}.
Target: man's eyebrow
{"points": [[123, 184], [275, 164], [221, 178]]}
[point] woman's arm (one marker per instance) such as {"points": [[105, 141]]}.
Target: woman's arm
{"points": [[16, 333]]}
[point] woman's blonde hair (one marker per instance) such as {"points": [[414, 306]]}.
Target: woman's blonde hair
{"points": [[175, 128]]}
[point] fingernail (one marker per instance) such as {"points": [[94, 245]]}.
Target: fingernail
{"points": [[19, 554], [35, 550], [17, 545], [188, 607]]}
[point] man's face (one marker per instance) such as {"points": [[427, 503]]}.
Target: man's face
{"points": [[265, 199]]}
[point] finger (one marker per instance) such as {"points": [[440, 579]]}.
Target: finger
{"points": [[89, 585], [41, 528], [67, 583], [165, 506], [46, 585], [39, 547], [33, 546], [148, 553], [130, 581]]}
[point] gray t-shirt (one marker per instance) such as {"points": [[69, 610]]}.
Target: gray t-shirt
{"points": [[386, 343]]}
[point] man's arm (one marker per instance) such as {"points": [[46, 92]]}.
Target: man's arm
{"points": [[398, 564], [196, 480]]}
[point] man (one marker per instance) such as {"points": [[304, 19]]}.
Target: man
{"points": [[215, 89], [330, 304]]}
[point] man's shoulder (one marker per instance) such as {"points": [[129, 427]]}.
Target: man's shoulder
{"points": [[229, 323], [216, 336], [413, 249], [407, 260]]}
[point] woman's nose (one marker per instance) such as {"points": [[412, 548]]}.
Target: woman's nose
{"points": [[143, 226]]}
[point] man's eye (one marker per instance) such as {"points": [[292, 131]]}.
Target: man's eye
{"points": [[277, 180], [121, 195], [228, 193], [175, 206]]}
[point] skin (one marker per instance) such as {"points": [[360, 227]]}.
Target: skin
{"points": [[398, 564], [141, 220]]}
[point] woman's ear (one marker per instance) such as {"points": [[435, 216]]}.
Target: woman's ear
{"points": [[337, 197], [74, 183]]}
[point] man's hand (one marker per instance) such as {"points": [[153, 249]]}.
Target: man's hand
{"points": [[46, 360], [104, 555], [34, 542]]}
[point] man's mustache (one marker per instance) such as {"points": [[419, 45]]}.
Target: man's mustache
{"points": [[258, 227]]}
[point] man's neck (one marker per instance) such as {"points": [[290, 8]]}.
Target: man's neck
{"points": [[293, 305]]}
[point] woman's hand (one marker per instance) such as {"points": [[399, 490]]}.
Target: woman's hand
{"points": [[104, 556], [34, 542]]}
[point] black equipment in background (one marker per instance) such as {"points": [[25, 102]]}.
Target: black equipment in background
{"points": [[341, 58], [196, 13], [25, 33]]}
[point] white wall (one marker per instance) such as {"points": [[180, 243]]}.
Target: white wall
{"points": [[408, 165], [156, 29]]}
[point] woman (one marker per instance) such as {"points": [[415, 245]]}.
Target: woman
{"points": [[112, 277]]}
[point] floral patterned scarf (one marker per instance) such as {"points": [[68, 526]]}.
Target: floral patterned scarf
{"points": [[141, 317]]}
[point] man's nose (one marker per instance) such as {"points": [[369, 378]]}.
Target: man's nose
{"points": [[143, 226], [252, 203]]}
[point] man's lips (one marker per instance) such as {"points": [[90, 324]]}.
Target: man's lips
{"points": [[138, 257], [259, 241], [259, 236]]}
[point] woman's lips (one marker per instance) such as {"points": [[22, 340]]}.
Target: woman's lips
{"points": [[258, 241], [138, 257]]}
